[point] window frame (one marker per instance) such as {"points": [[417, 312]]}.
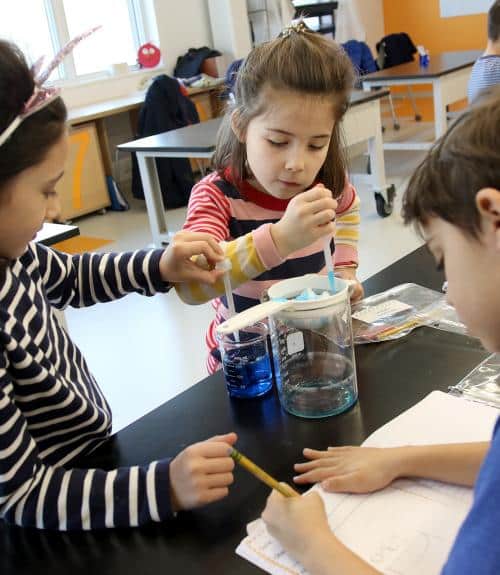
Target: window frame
{"points": [[56, 18]]}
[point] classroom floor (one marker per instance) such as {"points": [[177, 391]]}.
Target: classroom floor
{"points": [[144, 351]]}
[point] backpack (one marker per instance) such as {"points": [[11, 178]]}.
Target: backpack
{"points": [[190, 63]]}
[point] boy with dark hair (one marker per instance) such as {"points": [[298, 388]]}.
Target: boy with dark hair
{"points": [[486, 71], [454, 200]]}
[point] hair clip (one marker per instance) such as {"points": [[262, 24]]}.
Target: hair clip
{"points": [[298, 27]]}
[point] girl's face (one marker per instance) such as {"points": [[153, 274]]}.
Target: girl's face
{"points": [[287, 144], [26, 199], [472, 268]]}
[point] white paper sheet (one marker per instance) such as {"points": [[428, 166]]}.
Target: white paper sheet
{"points": [[409, 527]]}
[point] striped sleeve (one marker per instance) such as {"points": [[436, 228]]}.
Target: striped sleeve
{"points": [[85, 279], [33, 494], [245, 265], [209, 211], [347, 234]]}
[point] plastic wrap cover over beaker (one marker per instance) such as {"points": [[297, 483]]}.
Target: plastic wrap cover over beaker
{"points": [[313, 353]]}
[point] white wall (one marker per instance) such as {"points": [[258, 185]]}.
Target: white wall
{"points": [[181, 25], [230, 28], [371, 14]]}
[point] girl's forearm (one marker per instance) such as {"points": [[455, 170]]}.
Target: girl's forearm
{"points": [[457, 463]]}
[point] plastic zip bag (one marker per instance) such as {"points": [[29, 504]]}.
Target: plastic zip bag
{"points": [[398, 311], [482, 384]]}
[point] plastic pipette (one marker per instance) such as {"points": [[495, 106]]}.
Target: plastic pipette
{"points": [[329, 264], [226, 266]]}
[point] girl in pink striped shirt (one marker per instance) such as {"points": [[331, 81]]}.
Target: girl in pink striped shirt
{"points": [[279, 188]]}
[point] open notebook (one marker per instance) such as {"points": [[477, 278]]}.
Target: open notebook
{"points": [[409, 527]]}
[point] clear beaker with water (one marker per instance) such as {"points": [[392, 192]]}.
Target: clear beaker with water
{"points": [[314, 359]]}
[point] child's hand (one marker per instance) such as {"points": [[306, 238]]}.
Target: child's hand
{"points": [[296, 522], [182, 259], [308, 217], [349, 469], [202, 473], [356, 291]]}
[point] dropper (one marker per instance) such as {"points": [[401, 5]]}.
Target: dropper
{"points": [[226, 266], [329, 263]]}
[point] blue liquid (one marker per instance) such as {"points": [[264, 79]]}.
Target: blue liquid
{"points": [[247, 372]]}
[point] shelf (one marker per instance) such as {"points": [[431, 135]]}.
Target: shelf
{"points": [[315, 10]]}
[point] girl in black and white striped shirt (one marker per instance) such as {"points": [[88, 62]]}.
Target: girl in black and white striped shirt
{"points": [[51, 409]]}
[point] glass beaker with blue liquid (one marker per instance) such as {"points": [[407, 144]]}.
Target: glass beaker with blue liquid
{"points": [[245, 361]]}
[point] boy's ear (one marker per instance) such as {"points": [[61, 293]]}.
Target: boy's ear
{"points": [[238, 131], [488, 205]]}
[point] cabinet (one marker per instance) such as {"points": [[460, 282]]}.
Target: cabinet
{"points": [[83, 188]]}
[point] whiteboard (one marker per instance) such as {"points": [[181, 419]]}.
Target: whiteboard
{"points": [[451, 8]]}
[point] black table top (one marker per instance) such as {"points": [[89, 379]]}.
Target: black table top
{"points": [[201, 137], [52, 233], [439, 65], [392, 376]]}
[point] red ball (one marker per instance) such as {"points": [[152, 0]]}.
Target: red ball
{"points": [[149, 55]]}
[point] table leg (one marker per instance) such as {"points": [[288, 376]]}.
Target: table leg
{"points": [[102, 134], [153, 197], [376, 152], [439, 108]]}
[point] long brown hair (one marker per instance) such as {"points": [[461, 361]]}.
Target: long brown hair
{"points": [[31, 141], [465, 160], [300, 61]]}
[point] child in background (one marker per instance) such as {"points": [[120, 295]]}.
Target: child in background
{"points": [[454, 198], [279, 190], [51, 409], [486, 70]]}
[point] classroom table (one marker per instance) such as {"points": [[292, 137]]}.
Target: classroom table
{"points": [[52, 233], [392, 376], [447, 72], [361, 124]]}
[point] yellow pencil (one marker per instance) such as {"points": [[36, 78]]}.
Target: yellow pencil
{"points": [[256, 471], [397, 329]]}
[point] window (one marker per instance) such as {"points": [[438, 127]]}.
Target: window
{"points": [[52, 23], [33, 34]]}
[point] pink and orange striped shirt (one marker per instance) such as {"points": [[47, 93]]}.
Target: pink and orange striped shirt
{"points": [[240, 217]]}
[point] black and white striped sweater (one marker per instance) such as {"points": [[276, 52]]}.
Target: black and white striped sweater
{"points": [[51, 408]]}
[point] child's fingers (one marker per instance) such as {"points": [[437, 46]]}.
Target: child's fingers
{"points": [[322, 205], [218, 446], [315, 464], [322, 218], [195, 273], [230, 438], [314, 476], [199, 236], [324, 223], [315, 193], [195, 248], [216, 480], [216, 465], [315, 453], [215, 494]]}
